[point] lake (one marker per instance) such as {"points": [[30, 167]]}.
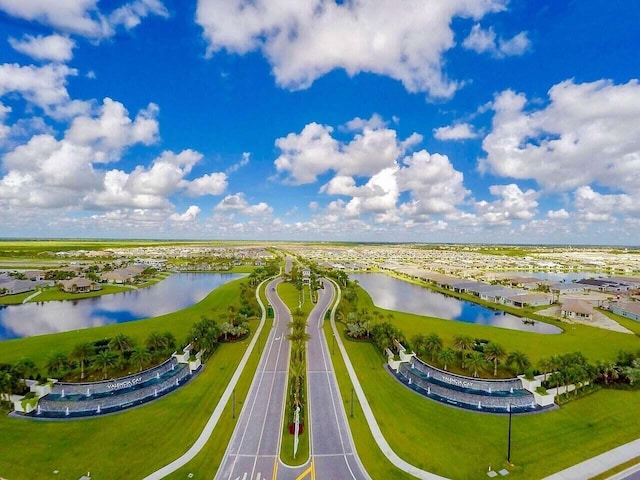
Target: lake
{"points": [[393, 294], [174, 293]]}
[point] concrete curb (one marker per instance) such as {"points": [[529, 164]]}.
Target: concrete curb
{"points": [[215, 416], [381, 441]]}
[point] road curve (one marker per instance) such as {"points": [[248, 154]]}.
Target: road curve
{"points": [[332, 450]]}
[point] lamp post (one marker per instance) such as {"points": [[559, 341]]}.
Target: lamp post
{"points": [[509, 442]]}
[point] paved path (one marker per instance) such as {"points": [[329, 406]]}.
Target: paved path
{"points": [[332, 450], [601, 463], [33, 295], [371, 419], [215, 416], [253, 452]]}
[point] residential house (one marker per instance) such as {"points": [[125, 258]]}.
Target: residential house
{"points": [[577, 309], [79, 285], [626, 309]]}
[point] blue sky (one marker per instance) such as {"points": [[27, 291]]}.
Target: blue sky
{"points": [[422, 120]]}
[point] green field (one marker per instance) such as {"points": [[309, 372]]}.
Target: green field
{"points": [[136, 442], [460, 444]]}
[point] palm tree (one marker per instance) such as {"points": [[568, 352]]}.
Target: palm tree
{"points": [[520, 360], [433, 344], [544, 364], [24, 368], [121, 343], [156, 341], [104, 360], [140, 357], [494, 353], [81, 353], [463, 343], [226, 328], [169, 340], [446, 356], [296, 373], [57, 363], [475, 363]]}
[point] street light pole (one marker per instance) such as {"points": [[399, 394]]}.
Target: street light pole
{"points": [[509, 443]]}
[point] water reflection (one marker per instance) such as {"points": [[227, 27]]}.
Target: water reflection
{"points": [[174, 293], [393, 294]]}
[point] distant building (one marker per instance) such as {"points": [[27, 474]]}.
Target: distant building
{"points": [[529, 299], [79, 285], [626, 309]]}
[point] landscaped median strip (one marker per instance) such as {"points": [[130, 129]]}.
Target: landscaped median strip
{"points": [[215, 416], [381, 441]]}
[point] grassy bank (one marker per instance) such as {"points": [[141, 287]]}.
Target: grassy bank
{"points": [[595, 343], [461, 444]]}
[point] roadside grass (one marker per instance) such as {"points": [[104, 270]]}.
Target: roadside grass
{"points": [[371, 456], [130, 444], [38, 348], [14, 299], [460, 444], [620, 468], [207, 462], [595, 343], [292, 298]]}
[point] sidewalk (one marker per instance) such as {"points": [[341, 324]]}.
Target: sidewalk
{"points": [[215, 416], [368, 413], [599, 464]]}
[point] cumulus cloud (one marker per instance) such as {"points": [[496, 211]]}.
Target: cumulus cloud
{"points": [[486, 41], [459, 131], [82, 17], [305, 40], [560, 214], [514, 204], [113, 130], [57, 48], [44, 87], [190, 215], [209, 184], [588, 133], [237, 203], [237, 166]]}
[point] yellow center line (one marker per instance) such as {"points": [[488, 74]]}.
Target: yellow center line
{"points": [[309, 470], [275, 468]]}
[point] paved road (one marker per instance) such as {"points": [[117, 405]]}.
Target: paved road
{"points": [[332, 448], [254, 448]]}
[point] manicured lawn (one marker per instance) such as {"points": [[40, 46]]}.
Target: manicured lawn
{"points": [[14, 299], [38, 348], [594, 343], [461, 444], [134, 443]]}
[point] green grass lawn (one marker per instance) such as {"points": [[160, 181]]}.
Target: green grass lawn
{"points": [[134, 443], [461, 444], [16, 299], [595, 343]]}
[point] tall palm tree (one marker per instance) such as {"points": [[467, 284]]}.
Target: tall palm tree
{"points": [[475, 363], [463, 343], [81, 353], [104, 360], [156, 341], [57, 363], [446, 356], [520, 360], [296, 373], [140, 357], [25, 367], [121, 343], [433, 344], [494, 353], [544, 364]]}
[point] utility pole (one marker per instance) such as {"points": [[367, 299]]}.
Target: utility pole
{"points": [[509, 442]]}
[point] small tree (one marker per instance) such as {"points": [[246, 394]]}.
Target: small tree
{"points": [[81, 353], [494, 353]]}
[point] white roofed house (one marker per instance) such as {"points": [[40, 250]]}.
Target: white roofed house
{"points": [[530, 300]]}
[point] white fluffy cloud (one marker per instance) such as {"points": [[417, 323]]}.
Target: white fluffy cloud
{"points": [[514, 204], [113, 130], [459, 131], [237, 203], [305, 40], [208, 184], [190, 215], [42, 86], [83, 17], [486, 41], [57, 48], [588, 133], [560, 214]]}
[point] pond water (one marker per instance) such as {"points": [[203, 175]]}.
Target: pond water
{"points": [[176, 292], [393, 294]]}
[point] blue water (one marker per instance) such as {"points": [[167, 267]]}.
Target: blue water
{"points": [[393, 294], [176, 292]]}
